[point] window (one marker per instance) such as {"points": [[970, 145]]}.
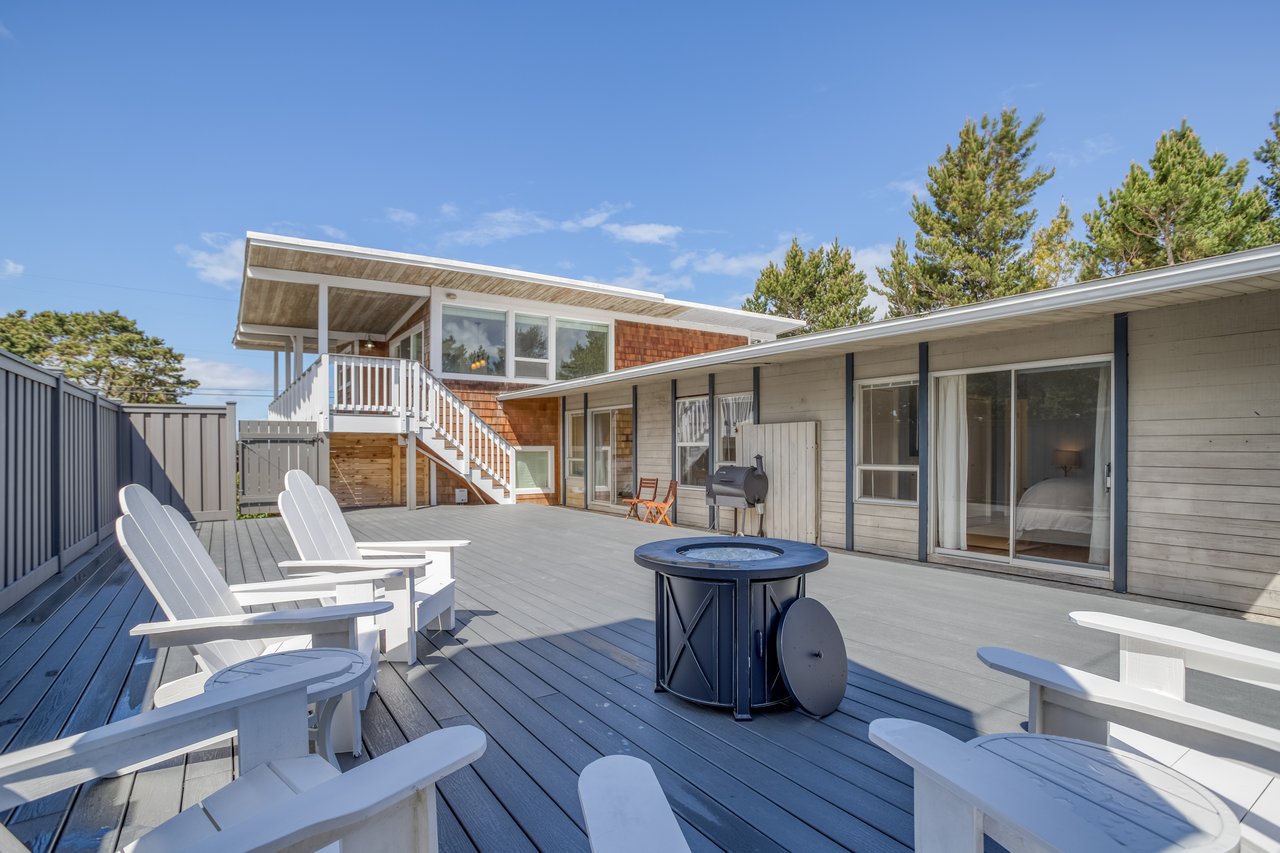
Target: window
{"points": [[408, 346], [531, 357], [731, 410], [888, 441], [474, 341], [582, 349], [533, 470], [576, 452], [692, 422]]}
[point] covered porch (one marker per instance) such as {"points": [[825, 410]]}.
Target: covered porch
{"points": [[553, 658]]}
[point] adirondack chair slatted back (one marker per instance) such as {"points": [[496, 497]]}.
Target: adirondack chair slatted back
{"points": [[315, 522], [179, 572]]}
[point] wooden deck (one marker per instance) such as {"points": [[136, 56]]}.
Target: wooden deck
{"points": [[553, 659]]}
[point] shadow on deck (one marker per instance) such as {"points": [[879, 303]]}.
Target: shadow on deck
{"points": [[553, 659]]}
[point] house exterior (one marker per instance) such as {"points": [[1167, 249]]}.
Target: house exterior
{"points": [[399, 361], [1122, 433]]}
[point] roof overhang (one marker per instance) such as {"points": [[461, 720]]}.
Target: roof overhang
{"points": [[370, 289], [1213, 278]]}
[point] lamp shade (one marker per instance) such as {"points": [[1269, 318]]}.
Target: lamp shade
{"points": [[1066, 459]]}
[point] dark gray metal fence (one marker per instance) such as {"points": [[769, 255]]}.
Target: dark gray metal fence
{"points": [[66, 450], [268, 449]]}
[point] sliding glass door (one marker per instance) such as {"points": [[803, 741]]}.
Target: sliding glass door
{"points": [[611, 455], [1023, 464]]}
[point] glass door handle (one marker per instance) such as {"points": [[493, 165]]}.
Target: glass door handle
{"points": [[1108, 480]]}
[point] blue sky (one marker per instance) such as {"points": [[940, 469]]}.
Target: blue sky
{"points": [[673, 147]]}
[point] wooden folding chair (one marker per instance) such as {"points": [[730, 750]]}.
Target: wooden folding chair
{"points": [[647, 484], [656, 512]]}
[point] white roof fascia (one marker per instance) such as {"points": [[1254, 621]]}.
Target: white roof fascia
{"points": [[1252, 262]]}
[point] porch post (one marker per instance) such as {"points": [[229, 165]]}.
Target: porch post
{"points": [[297, 357], [322, 320], [275, 373], [635, 441], [564, 450], [850, 452], [922, 497], [410, 471], [322, 350], [586, 453], [675, 463], [1120, 456], [712, 425]]}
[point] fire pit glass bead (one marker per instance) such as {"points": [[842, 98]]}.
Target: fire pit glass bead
{"points": [[728, 553]]}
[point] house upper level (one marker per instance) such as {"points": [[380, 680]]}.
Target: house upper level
{"points": [[465, 322]]}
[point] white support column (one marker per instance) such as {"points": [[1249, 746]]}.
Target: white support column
{"points": [[322, 321], [297, 357], [275, 374], [411, 472], [322, 348]]}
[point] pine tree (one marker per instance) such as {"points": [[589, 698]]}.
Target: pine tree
{"points": [[1190, 204], [972, 227], [100, 349], [823, 287], [1269, 156], [897, 284], [1054, 258]]}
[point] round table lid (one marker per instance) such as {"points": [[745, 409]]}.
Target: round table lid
{"points": [[812, 657]]}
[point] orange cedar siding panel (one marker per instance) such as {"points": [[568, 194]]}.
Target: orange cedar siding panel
{"points": [[635, 344]]}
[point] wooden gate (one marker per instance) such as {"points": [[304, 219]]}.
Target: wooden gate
{"points": [[269, 449], [790, 454]]}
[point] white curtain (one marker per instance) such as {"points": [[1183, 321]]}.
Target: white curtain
{"points": [[1100, 535], [951, 446]]}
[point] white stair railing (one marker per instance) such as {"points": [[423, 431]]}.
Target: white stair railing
{"points": [[302, 400]]}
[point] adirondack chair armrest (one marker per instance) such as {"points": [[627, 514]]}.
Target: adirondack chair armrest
{"points": [[625, 809], [261, 710], [345, 567], [319, 584], [376, 804], [1076, 703], [1196, 651], [316, 621], [413, 546], [987, 785]]}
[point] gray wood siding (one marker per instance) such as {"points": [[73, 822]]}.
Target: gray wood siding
{"points": [[1042, 343], [1204, 453], [813, 390]]}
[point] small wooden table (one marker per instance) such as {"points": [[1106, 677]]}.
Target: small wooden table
{"points": [[1142, 804], [325, 695]]}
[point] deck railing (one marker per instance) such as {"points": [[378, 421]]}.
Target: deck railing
{"points": [[397, 387]]}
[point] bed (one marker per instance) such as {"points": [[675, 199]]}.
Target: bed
{"points": [[1062, 504]]}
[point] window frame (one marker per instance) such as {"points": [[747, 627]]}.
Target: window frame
{"points": [[702, 443], [550, 452], [553, 342], [507, 331], [721, 459], [416, 329], [516, 358], [859, 465]]}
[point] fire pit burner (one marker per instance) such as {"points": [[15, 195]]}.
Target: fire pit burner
{"points": [[717, 610]]}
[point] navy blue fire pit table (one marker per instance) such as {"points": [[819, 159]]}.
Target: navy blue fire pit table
{"points": [[719, 609]]}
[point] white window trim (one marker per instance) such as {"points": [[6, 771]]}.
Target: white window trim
{"points": [[545, 362], [408, 333], [510, 308], [551, 469], [702, 444], [749, 395], [860, 466]]}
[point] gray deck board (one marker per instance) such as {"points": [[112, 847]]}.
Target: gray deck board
{"points": [[553, 658]]}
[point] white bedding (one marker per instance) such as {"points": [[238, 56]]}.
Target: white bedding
{"points": [[1064, 504]]}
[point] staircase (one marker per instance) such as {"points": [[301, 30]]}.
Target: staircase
{"points": [[451, 433]]}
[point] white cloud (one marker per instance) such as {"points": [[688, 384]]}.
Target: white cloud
{"points": [[514, 222], [651, 232], [5, 34], [10, 269], [449, 210], [718, 263], [402, 217], [909, 189], [221, 263], [331, 232], [225, 376], [867, 259], [1089, 149], [643, 277]]}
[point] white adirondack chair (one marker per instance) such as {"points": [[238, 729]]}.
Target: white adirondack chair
{"points": [[963, 793], [207, 615], [1146, 712], [625, 809], [284, 797], [321, 534]]}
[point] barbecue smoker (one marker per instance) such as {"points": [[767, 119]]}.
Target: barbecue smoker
{"points": [[738, 487]]}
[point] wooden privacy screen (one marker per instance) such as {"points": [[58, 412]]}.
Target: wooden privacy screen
{"points": [[790, 453], [269, 450]]}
